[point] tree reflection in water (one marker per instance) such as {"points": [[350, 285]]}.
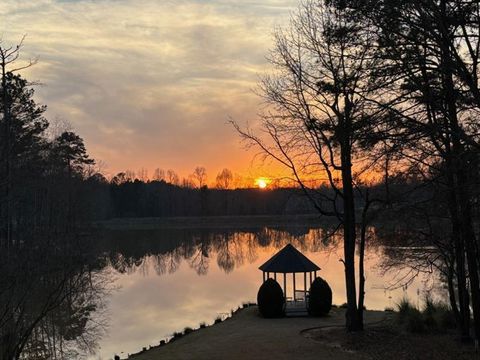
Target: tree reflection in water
{"points": [[51, 301], [134, 251]]}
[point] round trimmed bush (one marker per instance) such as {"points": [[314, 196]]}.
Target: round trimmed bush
{"points": [[270, 299], [320, 301]]}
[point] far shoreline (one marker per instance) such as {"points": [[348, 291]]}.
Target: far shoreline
{"points": [[237, 222], [216, 222]]}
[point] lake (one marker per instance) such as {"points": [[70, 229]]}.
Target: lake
{"points": [[161, 281]]}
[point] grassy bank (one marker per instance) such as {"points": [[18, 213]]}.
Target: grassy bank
{"points": [[248, 336]]}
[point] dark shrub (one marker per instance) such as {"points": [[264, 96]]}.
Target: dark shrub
{"points": [[271, 302], [320, 301], [447, 318], [430, 314], [438, 316], [404, 307], [410, 318], [434, 317], [414, 321]]}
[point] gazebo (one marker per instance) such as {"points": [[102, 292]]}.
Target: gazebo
{"points": [[290, 261]]}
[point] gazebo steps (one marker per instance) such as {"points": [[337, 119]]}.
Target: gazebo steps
{"points": [[297, 308], [296, 312]]}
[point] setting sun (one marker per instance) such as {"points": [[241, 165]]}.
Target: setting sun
{"points": [[262, 183]]}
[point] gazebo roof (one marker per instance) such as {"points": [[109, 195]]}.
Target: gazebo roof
{"points": [[289, 260]]}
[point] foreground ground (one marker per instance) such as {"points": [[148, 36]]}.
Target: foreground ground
{"points": [[248, 336]]}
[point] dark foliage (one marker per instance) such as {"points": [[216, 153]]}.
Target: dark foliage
{"points": [[320, 301], [161, 199], [434, 317], [270, 299]]}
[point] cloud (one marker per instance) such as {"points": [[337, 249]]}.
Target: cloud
{"points": [[150, 83]]}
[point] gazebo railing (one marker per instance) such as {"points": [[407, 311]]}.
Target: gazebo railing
{"points": [[301, 295]]}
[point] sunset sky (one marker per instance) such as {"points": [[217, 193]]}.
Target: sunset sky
{"points": [[150, 83]]}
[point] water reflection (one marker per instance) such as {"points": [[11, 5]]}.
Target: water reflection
{"points": [[49, 292], [56, 301], [128, 251], [173, 278]]}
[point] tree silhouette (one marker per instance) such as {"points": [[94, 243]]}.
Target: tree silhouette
{"points": [[224, 179], [429, 69], [200, 175], [321, 120], [69, 153]]}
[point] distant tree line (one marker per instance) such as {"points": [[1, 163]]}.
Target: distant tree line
{"points": [[161, 199]]}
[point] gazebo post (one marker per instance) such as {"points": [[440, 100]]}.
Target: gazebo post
{"points": [[310, 273], [268, 275], [294, 297], [263, 273], [275, 276], [315, 274], [285, 286], [305, 287]]}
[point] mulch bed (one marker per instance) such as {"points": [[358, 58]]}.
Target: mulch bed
{"points": [[386, 342]]}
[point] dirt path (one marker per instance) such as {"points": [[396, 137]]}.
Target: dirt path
{"points": [[248, 336]]}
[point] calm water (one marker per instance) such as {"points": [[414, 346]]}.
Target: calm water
{"points": [[162, 281]]}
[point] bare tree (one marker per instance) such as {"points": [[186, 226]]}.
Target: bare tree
{"points": [[159, 174], [318, 121], [142, 174], [200, 175], [189, 182], [172, 177], [129, 175], [224, 179]]}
